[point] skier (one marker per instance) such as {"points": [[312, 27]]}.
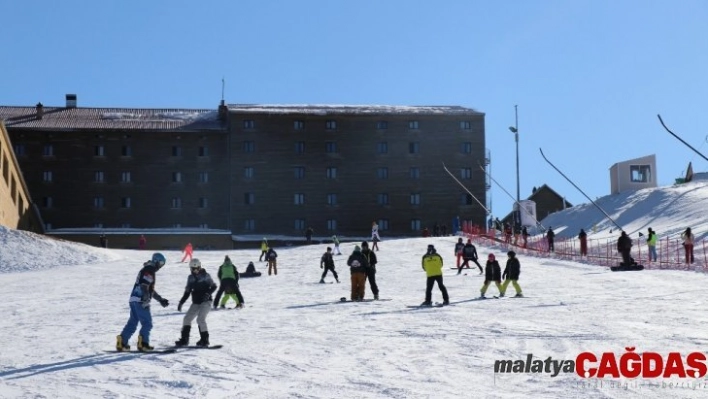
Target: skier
{"points": [[651, 242], [200, 286], [583, 236], [357, 265], [458, 250], [432, 264], [143, 291], [335, 241], [272, 257], [624, 247], [327, 263], [492, 273], [550, 235], [688, 238], [264, 249], [511, 274], [228, 285], [469, 253], [371, 270], [187, 252], [375, 238]]}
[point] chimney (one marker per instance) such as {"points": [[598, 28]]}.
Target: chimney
{"points": [[71, 100], [223, 111], [40, 110]]}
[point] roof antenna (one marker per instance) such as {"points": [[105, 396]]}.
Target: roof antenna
{"points": [[223, 86]]}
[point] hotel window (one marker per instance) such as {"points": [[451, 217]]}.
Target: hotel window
{"points": [[47, 176], [98, 176], [382, 173], [466, 148], [414, 172], [249, 124], [203, 151], [176, 151], [19, 149], [48, 202], [249, 146], [412, 125], [126, 151], [640, 173], [125, 177], [382, 125], [415, 224], [298, 125], [299, 172], [98, 202], [203, 202], [331, 199], [299, 224], [331, 147], [125, 202], [299, 199], [99, 150], [204, 177], [331, 173], [203, 226], [249, 198], [466, 173], [300, 147], [176, 177], [176, 203], [332, 224], [415, 199], [382, 198], [466, 199], [413, 148], [465, 125], [383, 224], [249, 224], [125, 225], [331, 125], [248, 172], [382, 147], [48, 150]]}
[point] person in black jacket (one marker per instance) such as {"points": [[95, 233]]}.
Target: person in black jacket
{"points": [[550, 236], [200, 286], [371, 270], [458, 250], [624, 246], [511, 274], [492, 272], [327, 263], [469, 253], [272, 258], [358, 264]]}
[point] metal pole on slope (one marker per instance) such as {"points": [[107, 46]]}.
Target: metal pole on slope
{"points": [[581, 191], [679, 138], [465, 188], [518, 204]]}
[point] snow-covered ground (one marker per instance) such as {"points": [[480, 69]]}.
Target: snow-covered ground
{"points": [[63, 307]]}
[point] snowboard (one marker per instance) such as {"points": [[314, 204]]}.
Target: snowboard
{"points": [[629, 268], [345, 300], [137, 352], [435, 305], [198, 347]]}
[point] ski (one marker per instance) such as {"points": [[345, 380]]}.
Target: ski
{"points": [[679, 138], [631, 268], [581, 191], [465, 188]]}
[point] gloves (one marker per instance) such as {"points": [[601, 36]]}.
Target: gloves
{"points": [[179, 307], [164, 302]]}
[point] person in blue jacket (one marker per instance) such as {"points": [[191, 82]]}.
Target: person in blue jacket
{"points": [[141, 295]]}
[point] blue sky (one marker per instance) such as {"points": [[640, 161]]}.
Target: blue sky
{"points": [[588, 77]]}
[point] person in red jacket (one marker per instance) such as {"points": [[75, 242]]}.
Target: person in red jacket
{"points": [[187, 252], [142, 241]]}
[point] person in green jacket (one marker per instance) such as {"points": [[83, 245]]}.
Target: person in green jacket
{"points": [[651, 242], [433, 264], [335, 240], [228, 284], [264, 249]]}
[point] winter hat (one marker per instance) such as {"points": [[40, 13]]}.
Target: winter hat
{"points": [[357, 248], [329, 249], [431, 249], [364, 244], [511, 253], [491, 257], [227, 259]]}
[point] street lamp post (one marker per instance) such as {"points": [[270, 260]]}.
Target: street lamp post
{"points": [[515, 129]]}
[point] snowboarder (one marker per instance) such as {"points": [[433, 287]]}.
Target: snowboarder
{"points": [[432, 264], [187, 252], [141, 295], [264, 249], [375, 238], [511, 274], [469, 253], [688, 239], [327, 263], [458, 251], [335, 241], [624, 247], [371, 270], [651, 242], [228, 285], [250, 271], [308, 235], [200, 286], [550, 236], [272, 257], [583, 237], [493, 273], [357, 265]]}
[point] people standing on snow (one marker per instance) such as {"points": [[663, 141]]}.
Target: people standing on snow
{"points": [[228, 285], [371, 270], [458, 251], [688, 239], [550, 236], [525, 237], [103, 240], [264, 249], [141, 295], [308, 235], [335, 241], [469, 253], [492, 273], [507, 233], [187, 252], [426, 232], [272, 258], [511, 274], [651, 243], [517, 234], [327, 263], [624, 247], [583, 237], [375, 236], [357, 265], [200, 286], [142, 241], [432, 263]]}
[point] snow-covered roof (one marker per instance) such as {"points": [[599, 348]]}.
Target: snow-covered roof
{"points": [[331, 109]]}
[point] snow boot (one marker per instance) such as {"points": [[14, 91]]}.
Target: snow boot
{"points": [[120, 346], [519, 295], [144, 346], [184, 340], [239, 305], [426, 303], [501, 295], [322, 281], [337, 280], [376, 297], [205, 339]]}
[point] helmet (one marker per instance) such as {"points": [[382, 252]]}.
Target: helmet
{"points": [[511, 253], [491, 257], [195, 264], [158, 259]]}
